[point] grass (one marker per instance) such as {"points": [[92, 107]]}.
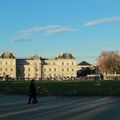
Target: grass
{"points": [[63, 88]]}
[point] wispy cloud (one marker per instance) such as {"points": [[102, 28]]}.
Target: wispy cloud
{"points": [[39, 29], [48, 30], [27, 34], [102, 21], [24, 37], [59, 31], [104, 44]]}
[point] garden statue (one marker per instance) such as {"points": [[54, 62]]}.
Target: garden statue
{"points": [[97, 77]]}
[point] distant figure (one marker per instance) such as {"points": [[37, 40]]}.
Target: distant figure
{"points": [[32, 93]]}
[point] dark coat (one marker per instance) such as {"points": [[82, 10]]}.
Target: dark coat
{"points": [[32, 89]]}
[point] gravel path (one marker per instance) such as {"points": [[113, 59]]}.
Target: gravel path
{"points": [[60, 108]]}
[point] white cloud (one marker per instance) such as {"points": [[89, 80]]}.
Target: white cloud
{"points": [[102, 21], [39, 29], [58, 31], [27, 34], [24, 37], [48, 30]]}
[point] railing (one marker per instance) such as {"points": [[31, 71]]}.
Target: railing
{"points": [[112, 77]]}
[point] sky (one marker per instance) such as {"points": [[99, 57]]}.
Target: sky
{"points": [[84, 28]]}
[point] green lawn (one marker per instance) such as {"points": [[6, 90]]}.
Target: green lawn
{"points": [[67, 88]]}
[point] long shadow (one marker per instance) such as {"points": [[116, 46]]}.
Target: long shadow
{"points": [[36, 108], [70, 106], [83, 112], [48, 110], [61, 108], [20, 105], [111, 113], [31, 109]]}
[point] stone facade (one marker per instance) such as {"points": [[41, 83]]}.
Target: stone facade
{"points": [[7, 65], [59, 68], [36, 67], [28, 68], [63, 66]]}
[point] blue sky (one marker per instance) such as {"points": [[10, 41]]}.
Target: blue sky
{"points": [[49, 27]]}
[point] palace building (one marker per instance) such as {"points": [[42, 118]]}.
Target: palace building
{"points": [[7, 65], [63, 66], [29, 68]]}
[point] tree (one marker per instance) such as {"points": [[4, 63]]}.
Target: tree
{"points": [[109, 62]]}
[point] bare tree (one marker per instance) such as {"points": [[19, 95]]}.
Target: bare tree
{"points": [[109, 62]]}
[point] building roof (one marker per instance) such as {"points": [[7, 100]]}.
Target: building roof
{"points": [[65, 56], [35, 57], [7, 55], [84, 63]]}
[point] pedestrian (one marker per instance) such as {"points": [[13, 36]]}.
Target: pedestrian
{"points": [[32, 93]]}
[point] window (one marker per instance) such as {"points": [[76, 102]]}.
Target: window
{"points": [[72, 63], [54, 75], [0, 69], [6, 63], [67, 69], [18, 71], [28, 69], [67, 63], [6, 69], [36, 75], [53, 63], [54, 69], [49, 69], [44, 69], [11, 69], [72, 69], [62, 63], [62, 69]]}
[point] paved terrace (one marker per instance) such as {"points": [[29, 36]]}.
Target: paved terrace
{"points": [[60, 108]]}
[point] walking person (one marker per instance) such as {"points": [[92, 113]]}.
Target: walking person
{"points": [[32, 93]]}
